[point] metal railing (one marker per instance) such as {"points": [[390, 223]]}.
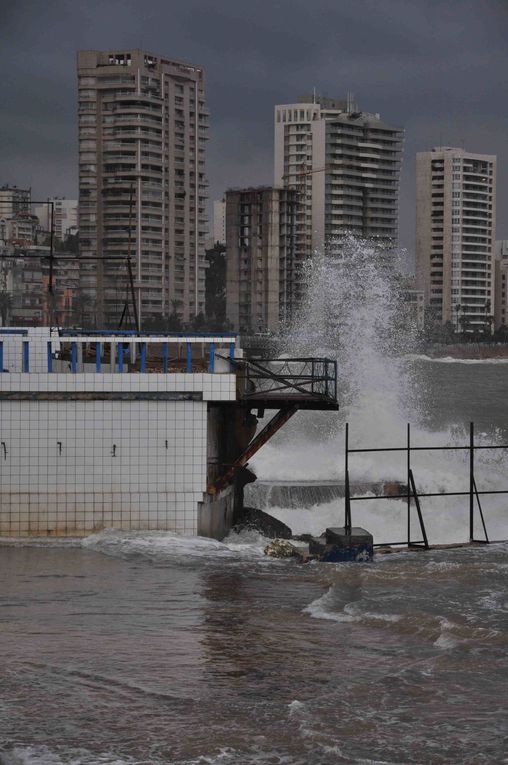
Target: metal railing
{"points": [[122, 351], [311, 378], [412, 494]]}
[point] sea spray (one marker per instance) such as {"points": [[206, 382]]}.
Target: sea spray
{"points": [[353, 311]]}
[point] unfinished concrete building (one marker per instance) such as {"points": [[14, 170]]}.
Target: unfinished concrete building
{"points": [[260, 241]]}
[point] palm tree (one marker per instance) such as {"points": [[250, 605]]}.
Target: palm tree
{"points": [[458, 308]]}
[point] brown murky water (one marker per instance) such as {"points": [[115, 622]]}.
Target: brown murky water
{"points": [[119, 653]]}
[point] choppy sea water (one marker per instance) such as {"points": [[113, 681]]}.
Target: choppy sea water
{"points": [[130, 650], [149, 648]]}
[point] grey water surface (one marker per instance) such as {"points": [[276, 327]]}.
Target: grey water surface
{"points": [[138, 649]]}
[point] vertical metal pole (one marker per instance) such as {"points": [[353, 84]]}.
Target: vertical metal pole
{"points": [[133, 296], [50, 358], [74, 357], [408, 484], [189, 357], [347, 498], [97, 357], [51, 254], [165, 357], [471, 481], [26, 356]]}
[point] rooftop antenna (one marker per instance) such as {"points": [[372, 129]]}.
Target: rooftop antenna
{"points": [[314, 94]]}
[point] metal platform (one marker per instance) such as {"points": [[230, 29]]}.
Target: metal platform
{"points": [[286, 385], [307, 383]]}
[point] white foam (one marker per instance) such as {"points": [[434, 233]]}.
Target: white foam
{"points": [[171, 547], [454, 360], [324, 608], [42, 755], [152, 544]]}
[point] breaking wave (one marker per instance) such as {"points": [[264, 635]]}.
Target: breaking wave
{"points": [[160, 546], [354, 312]]}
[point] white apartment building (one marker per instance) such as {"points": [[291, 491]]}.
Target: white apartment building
{"points": [[455, 235], [345, 164], [65, 216], [14, 200], [142, 133], [219, 221], [501, 284]]}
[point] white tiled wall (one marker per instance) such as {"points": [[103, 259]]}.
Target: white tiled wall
{"points": [[71, 466]]}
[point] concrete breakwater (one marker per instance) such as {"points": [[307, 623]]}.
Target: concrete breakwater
{"points": [[306, 494], [466, 350]]}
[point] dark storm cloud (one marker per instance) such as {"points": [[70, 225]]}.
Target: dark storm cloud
{"points": [[437, 68]]}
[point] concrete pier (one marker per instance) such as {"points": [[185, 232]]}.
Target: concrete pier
{"points": [[134, 432]]}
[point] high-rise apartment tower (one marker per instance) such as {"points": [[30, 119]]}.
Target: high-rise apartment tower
{"points": [[455, 235], [345, 165], [142, 187]]}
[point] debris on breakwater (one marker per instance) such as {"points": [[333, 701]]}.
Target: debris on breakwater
{"points": [[281, 548]]}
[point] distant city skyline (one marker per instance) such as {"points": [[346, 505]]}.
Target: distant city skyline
{"points": [[436, 69]]}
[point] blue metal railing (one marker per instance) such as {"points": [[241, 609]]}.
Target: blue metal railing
{"points": [[215, 355]]}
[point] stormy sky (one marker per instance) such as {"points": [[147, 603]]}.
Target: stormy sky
{"points": [[437, 68]]}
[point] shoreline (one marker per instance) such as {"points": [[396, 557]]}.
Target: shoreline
{"points": [[467, 351]]}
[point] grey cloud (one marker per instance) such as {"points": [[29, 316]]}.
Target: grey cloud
{"points": [[437, 67]]}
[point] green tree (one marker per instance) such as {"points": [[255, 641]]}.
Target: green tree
{"points": [[174, 322], [215, 287], [81, 304], [5, 306], [198, 323], [501, 334]]}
